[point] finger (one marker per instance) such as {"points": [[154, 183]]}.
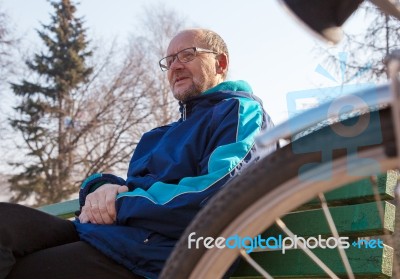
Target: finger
{"points": [[105, 215], [110, 204], [95, 211], [90, 207], [103, 205], [83, 218], [89, 216], [92, 210], [110, 196], [123, 189]]}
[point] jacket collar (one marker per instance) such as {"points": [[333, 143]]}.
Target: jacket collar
{"points": [[224, 90], [232, 86]]}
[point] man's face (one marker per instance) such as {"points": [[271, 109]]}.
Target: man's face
{"points": [[190, 79]]}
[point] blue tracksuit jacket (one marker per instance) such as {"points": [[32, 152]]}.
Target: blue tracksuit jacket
{"points": [[174, 170]]}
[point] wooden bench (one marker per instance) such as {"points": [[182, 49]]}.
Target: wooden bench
{"points": [[63, 210], [356, 216]]}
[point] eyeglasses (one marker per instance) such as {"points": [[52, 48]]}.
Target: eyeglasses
{"points": [[184, 56]]}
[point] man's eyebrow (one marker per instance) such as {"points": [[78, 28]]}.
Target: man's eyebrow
{"points": [[179, 50]]}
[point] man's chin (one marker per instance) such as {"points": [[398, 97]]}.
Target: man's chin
{"points": [[184, 95], [182, 98]]}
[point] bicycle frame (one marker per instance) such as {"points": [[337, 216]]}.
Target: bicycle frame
{"points": [[311, 117]]}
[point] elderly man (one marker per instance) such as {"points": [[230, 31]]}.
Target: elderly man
{"points": [[127, 229]]}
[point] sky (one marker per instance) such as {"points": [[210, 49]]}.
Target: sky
{"points": [[268, 48]]}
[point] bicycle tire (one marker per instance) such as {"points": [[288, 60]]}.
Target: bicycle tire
{"points": [[239, 206]]}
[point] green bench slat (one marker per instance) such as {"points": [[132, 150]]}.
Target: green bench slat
{"points": [[64, 209], [359, 191], [365, 263], [351, 220]]}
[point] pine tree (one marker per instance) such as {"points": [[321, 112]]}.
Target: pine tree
{"points": [[7, 44], [46, 105]]}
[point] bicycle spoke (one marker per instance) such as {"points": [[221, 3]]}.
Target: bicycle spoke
{"points": [[254, 264], [335, 234], [313, 257]]}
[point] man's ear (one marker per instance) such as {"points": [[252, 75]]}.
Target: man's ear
{"points": [[222, 63]]}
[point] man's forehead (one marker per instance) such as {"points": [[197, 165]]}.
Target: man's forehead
{"points": [[183, 40]]}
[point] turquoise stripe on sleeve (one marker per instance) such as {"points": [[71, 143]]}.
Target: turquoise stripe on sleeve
{"points": [[222, 161]]}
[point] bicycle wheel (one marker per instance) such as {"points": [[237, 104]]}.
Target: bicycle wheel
{"points": [[269, 189]]}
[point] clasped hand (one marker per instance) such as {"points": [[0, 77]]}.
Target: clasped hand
{"points": [[99, 206]]}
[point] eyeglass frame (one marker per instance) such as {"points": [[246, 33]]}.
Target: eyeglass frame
{"points": [[175, 56]]}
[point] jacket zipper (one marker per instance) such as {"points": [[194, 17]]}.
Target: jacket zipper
{"points": [[184, 112]]}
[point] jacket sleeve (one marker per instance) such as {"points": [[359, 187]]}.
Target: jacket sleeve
{"points": [[169, 208]]}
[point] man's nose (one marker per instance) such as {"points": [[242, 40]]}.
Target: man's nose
{"points": [[176, 64]]}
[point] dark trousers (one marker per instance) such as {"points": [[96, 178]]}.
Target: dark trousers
{"points": [[37, 245]]}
